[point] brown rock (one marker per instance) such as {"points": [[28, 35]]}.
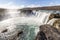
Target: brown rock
{"points": [[48, 32]]}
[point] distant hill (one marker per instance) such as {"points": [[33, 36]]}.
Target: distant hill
{"points": [[42, 8]]}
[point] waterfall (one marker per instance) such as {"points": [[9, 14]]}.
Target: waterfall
{"points": [[43, 17], [28, 23]]}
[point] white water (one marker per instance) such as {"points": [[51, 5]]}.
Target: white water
{"points": [[29, 25]]}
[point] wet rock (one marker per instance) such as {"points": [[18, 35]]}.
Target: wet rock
{"points": [[19, 33], [16, 35], [55, 22], [4, 31], [10, 36], [57, 15], [48, 32]]}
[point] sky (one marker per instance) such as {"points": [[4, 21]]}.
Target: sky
{"points": [[28, 3]]}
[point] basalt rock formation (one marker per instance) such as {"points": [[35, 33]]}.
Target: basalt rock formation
{"points": [[48, 32], [57, 15]]}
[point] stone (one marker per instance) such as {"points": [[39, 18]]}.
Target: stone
{"points": [[48, 32]]}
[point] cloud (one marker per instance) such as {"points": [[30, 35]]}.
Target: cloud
{"points": [[33, 5], [12, 5], [53, 4]]}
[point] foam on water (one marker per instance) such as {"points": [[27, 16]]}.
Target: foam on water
{"points": [[29, 25]]}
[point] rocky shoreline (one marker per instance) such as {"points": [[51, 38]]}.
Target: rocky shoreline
{"points": [[48, 32]]}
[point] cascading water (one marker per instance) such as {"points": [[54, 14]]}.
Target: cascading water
{"points": [[28, 24]]}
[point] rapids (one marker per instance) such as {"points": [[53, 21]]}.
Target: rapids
{"points": [[14, 22]]}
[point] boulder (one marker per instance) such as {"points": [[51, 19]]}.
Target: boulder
{"points": [[48, 32]]}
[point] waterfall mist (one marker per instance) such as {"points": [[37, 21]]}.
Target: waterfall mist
{"points": [[27, 21]]}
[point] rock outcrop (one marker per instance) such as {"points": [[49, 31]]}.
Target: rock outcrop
{"points": [[48, 32]]}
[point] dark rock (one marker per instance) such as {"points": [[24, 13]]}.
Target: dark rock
{"points": [[19, 33], [4, 31], [48, 32], [57, 15]]}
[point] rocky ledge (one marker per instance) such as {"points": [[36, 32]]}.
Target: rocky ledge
{"points": [[48, 32]]}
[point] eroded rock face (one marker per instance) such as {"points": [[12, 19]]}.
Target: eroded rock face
{"points": [[55, 22], [48, 32], [57, 15]]}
